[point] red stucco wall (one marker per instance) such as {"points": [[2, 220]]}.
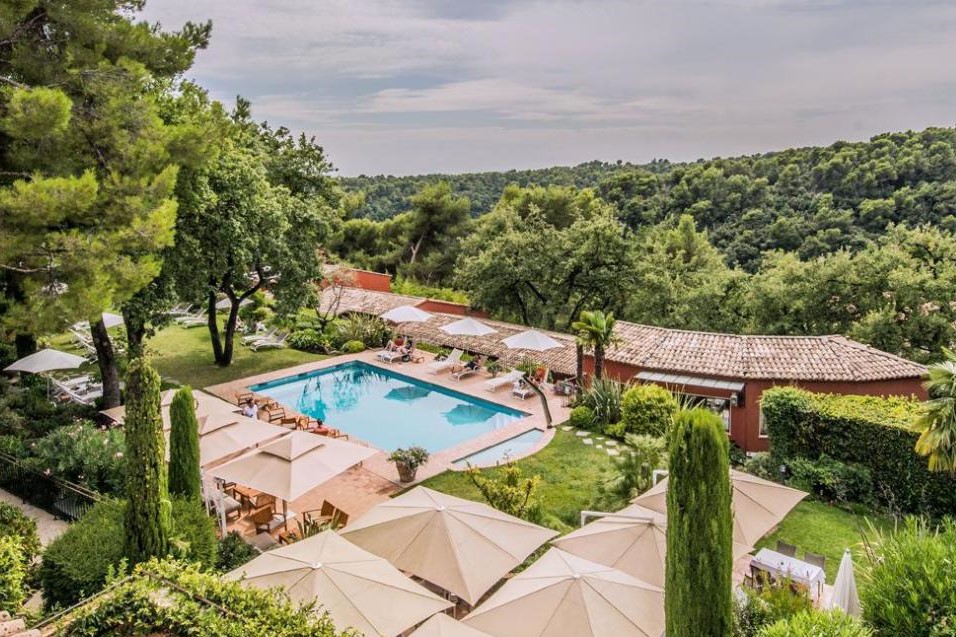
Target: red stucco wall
{"points": [[447, 307]]}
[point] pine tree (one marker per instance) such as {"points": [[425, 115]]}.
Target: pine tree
{"points": [[699, 529], [184, 478], [148, 513]]}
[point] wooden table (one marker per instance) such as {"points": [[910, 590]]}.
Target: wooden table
{"points": [[246, 494], [779, 565]]}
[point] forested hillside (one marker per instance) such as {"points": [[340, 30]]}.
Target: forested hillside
{"points": [[809, 200], [854, 239]]}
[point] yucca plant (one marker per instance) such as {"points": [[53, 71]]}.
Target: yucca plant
{"points": [[604, 397]]}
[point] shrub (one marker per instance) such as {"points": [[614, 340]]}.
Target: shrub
{"points": [[512, 492], [14, 523], [874, 432], [77, 563], [13, 574], [309, 340], [617, 430], [908, 584], [774, 601], [648, 409], [831, 480], [370, 330], [763, 465], [632, 473], [698, 591], [28, 413], [604, 398], [84, 454], [815, 623], [184, 472], [582, 417], [233, 552], [353, 347], [738, 457], [410, 287]]}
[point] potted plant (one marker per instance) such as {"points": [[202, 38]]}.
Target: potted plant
{"points": [[494, 367], [407, 461]]}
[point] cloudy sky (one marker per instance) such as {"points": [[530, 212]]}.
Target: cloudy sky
{"points": [[416, 86]]}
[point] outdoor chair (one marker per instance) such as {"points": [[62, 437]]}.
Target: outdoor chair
{"points": [[464, 372], [269, 343], [242, 397], [815, 558], [263, 336], [266, 519], [453, 360], [328, 513], [786, 549], [494, 384]]}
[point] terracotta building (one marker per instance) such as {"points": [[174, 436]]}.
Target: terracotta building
{"points": [[729, 372]]}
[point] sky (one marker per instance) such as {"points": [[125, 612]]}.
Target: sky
{"points": [[423, 86]]}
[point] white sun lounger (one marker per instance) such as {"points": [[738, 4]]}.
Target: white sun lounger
{"points": [[264, 336], [465, 371], [272, 343], [494, 384], [453, 359], [389, 356]]}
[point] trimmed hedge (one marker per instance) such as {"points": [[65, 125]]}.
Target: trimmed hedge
{"points": [[870, 431], [648, 410]]}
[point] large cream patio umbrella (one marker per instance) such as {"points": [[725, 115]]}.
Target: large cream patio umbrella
{"points": [[468, 327], [405, 314], [222, 436], [359, 590], [532, 340], [562, 594], [758, 505], [293, 465], [46, 360], [441, 625], [206, 405], [462, 546], [632, 540]]}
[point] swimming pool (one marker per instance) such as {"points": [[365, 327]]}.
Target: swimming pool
{"points": [[507, 449], [387, 409]]}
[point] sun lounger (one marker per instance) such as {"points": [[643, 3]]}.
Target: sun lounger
{"points": [[82, 395], [494, 384], [180, 309], [521, 390], [453, 360], [272, 343], [465, 372], [389, 356], [263, 336]]}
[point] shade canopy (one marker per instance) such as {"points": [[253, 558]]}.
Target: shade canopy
{"points": [[633, 540], [468, 327], [206, 405], [462, 546], [405, 314], [110, 320], [294, 464], [441, 625], [359, 590], [759, 505], [222, 436], [562, 594], [844, 595], [46, 360], [532, 340]]}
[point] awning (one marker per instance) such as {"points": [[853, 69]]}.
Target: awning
{"points": [[691, 381]]}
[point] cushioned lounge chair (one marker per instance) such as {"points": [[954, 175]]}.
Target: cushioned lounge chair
{"points": [[453, 360], [494, 384]]}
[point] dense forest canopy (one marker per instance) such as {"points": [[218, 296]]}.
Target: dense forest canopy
{"points": [[854, 238]]}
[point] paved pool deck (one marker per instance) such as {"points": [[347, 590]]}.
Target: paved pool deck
{"points": [[360, 488]]}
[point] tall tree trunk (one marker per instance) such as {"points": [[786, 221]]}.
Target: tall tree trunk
{"points": [[135, 335], [106, 359], [26, 344], [598, 361], [231, 331], [579, 370], [214, 330]]}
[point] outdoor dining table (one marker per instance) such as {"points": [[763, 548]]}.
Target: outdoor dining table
{"points": [[798, 571]]}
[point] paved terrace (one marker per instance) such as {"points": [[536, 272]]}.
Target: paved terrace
{"points": [[362, 487]]}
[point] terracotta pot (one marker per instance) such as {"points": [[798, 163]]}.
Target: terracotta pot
{"points": [[406, 473]]}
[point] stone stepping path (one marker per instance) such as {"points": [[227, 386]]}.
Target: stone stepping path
{"points": [[613, 452], [587, 441], [567, 428], [611, 443], [583, 434]]}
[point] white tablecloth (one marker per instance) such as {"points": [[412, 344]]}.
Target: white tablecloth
{"points": [[780, 565]]}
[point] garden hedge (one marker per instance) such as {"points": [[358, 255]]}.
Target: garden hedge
{"points": [[867, 430]]}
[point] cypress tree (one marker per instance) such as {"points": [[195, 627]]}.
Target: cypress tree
{"points": [[698, 585], [148, 509], [184, 477]]}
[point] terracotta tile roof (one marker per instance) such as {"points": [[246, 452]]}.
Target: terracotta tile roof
{"points": [[806, 358], [348, 299]]}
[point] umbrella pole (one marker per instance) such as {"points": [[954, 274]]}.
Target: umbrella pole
{"points": [[285, 515]]}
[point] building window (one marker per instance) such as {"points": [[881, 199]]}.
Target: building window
{"points": [[762, 430]]}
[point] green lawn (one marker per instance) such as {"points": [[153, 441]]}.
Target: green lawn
{"points": [[185, 355], [569, 470], [824, 529]]}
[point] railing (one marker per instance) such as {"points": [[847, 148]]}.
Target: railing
{"points": [[57, 496]]}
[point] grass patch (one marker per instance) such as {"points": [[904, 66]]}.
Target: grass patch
{"points": [[824, 529], [570, 472], [185, 355]]}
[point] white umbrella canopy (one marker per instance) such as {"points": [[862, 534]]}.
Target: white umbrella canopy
{"points": [[405, 314], [464, 547], [294, 464], [844, 595], [441, 625], [468, 327], [562, 594], [206, 405], [46, 360], [633, 540], [110, 320], [221, 436], [758, 505], [532, 340], [359, 590]]}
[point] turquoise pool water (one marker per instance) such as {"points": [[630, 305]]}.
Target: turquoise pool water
{"points": [[510, 448], [387, 409]]}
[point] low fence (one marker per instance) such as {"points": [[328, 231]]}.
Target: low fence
{"points": [[59, 497]]}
